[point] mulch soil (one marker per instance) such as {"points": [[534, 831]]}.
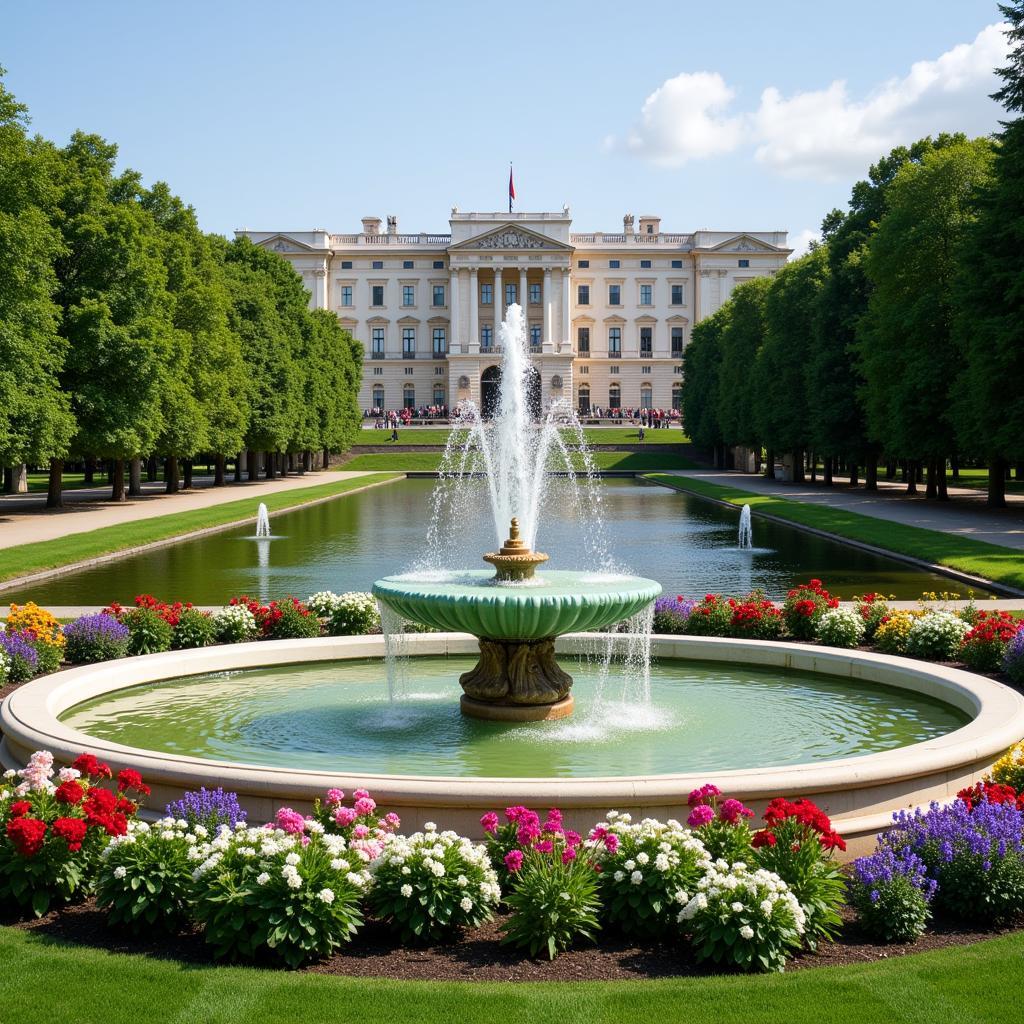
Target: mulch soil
{"points": [[477, 955]]}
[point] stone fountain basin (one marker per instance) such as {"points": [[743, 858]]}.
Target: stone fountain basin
{"points": [[551, 604]]}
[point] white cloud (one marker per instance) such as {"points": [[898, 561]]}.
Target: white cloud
{"points": [[682, 121], [800, 243], [822, 134]]}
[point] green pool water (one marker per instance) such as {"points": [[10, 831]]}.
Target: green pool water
{"points": [[335, 717]]}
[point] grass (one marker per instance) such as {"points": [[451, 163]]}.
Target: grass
{"points": [[978, 558], [978, 478], [431, 461], [593, 435], [43, 982], [51, 554]]}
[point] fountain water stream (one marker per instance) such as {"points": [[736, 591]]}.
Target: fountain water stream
{"points": [[262, 522], [745, 541]]}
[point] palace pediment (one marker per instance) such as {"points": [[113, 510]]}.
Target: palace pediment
{"points": [[511, 238], [743, 243], [283, 244]]}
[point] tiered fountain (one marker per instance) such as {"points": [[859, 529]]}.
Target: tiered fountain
{"points": [[516, 613]]}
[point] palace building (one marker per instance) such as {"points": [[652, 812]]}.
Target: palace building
{"points": [[608, 314]]}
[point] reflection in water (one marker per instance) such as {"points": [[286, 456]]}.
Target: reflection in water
{"points": [[335, 717]]}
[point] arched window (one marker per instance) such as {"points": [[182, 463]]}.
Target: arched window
{"points": [[409, 396], [614, 397], [677, 397], [378, 396], [583, 402], [646, 397], [439, 395]]}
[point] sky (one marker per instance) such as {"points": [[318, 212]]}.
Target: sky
{"points": [[287, 116]]}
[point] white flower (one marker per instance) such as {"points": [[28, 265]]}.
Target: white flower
{"points": [[438, 870], [326, 896], [429, 827], [661, 862], [292, 858], [262, 878], [746, 932], [339, 865], [636, 878], [462, 881], [629, 865], [466, 903], [120, 871], [737, 907], [642, 858], [766, 907], [406, 870], [406, 890], [619, 876]]}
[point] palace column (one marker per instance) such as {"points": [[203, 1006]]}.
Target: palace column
{"points": [[499, 304], [549, 312], [522, 290], [565, 339], [455, 319], [474, 312]]}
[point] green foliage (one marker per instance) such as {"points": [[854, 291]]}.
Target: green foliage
{"points": [[148, 632], [295, 622], [841, 627], [741, 341], [898, 913], [702, 362], [194, 629]]}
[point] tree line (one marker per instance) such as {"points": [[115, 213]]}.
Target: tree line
{"points": [[899, 339], [128, 335]]}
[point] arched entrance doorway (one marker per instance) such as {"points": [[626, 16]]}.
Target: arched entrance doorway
{"points": [[490, 387]]}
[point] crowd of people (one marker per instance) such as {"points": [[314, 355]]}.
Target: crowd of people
{"points": [[653, 419]]}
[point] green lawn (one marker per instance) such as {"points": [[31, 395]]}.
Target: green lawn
{"points": [[50, 554], [990, 561], [43, 982], [431, 461], [593, 435], [979, 478]]}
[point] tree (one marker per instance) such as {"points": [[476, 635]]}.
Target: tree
{"points": [[35, 413], [990, 293], [702, 361], [908, 356]]}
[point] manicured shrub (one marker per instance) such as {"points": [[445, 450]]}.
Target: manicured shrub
{"points": [[432, 883], [721, 828], [1009, 769], [21, 656], [710, 617], [742, 918], [289, 619], [207, 809], [296, 895], [974, 854], [51, 833], [984, 645], [350, 614], [841, 627], [1013, 658], [648, 871], [364, 828], [893, 630], [890, 890], [754, 617], [872, 608], [797, 843], [520, 830], [193, 629], [936, 636], [41, 629], [554, 899], [144, 880], [235, 624], [94, 638], [148, 631], [803, 608], [671, 614]]}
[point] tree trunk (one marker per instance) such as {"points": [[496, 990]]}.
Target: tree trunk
{"points": [[954, 467], [270, 466], [291, 462], [932, 487], [910, 475], [252, 465], [90, 471], [152, 468], [135, 478], [218, 470], [940, 481], [307, 461], [117, 492], [188, 474], [171, 474], [871, 475], [890, 469], [798, 467], [812, 465], [327, 459], [997, 483], [8, 480], [769, 465], [55, 489], [853, 473], [1019, 471], [827, 477], [240, 461]]}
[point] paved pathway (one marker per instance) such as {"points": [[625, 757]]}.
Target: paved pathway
{"points": [[24, 518], [966, 516]]}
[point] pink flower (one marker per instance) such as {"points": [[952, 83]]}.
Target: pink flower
{"points": [[554, 820], [335, 796], [545, 846], [344, 816], [572, 839], [364, 805], [700, 815], [514, 860], [568, 855], [598, 832], [526, 834], [732, 810], [489, 822], [360, 794], [360, 832], [611, 842], [516, 812], [704, 794], [392, 820], [290, 821]]}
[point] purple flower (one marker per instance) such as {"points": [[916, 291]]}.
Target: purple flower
{"points": [[1013, 658], [92, 628], [23, 659], [886, 864], [209, 807]]}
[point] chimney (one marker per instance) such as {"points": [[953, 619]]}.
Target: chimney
{"points": [[371, 225]]}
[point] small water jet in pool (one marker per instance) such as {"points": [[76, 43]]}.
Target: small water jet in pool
{"points": [[745, 540], [262, 523]]}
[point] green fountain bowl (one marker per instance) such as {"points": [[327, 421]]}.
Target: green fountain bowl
{"points": [[552, 603]]}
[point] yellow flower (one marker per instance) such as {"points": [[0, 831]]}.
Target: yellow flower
{"points": [[31, 617], [1009, 769]]}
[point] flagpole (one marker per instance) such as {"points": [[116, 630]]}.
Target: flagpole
{"points": [[510, 186]]}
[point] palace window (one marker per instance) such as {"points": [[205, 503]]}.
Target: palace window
{"points": [[677, 397], [346, 295], [583, 402], [646, 340], [677, 264], [438, 294], [583, 295], [614, 342], [677, 342], [408, 371], [378, 397], [378, 371], [614, 396], [438, 371], [583, 340], [535, 342], [408, 342], [409, 396], [408, 295], [646, 397], [677, 369], [535, 292], [377, 295], [439, 264], [377, 265], [646, 295], [440, 343], [486, 338], [346, 264], [645, 370], [407, 264], [613, 264], [613, 370], [614, 295], [677, 295], [583, 264], [585, 369], [646, 264], [377, 342], [439, 395], [510, 293], [743, 263], [486, 294]]}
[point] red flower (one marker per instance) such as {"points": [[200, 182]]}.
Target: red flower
{"points": [[69, 792], [20, 808], [763, 838], [26, 835], [125, 806], [72, 831], [89, 764], [129, 778]]}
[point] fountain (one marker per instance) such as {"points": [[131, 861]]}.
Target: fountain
{"points": [[516, 613], [262, 523], [746, 533]]}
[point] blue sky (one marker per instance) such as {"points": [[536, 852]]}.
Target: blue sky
{"points": [[288, 116]]}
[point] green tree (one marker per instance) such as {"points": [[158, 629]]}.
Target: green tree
{"points": [[702, 360], [908, 356], [990, 315]]}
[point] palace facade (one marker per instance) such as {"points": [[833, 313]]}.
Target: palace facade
{"points": [[608, 314]]}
